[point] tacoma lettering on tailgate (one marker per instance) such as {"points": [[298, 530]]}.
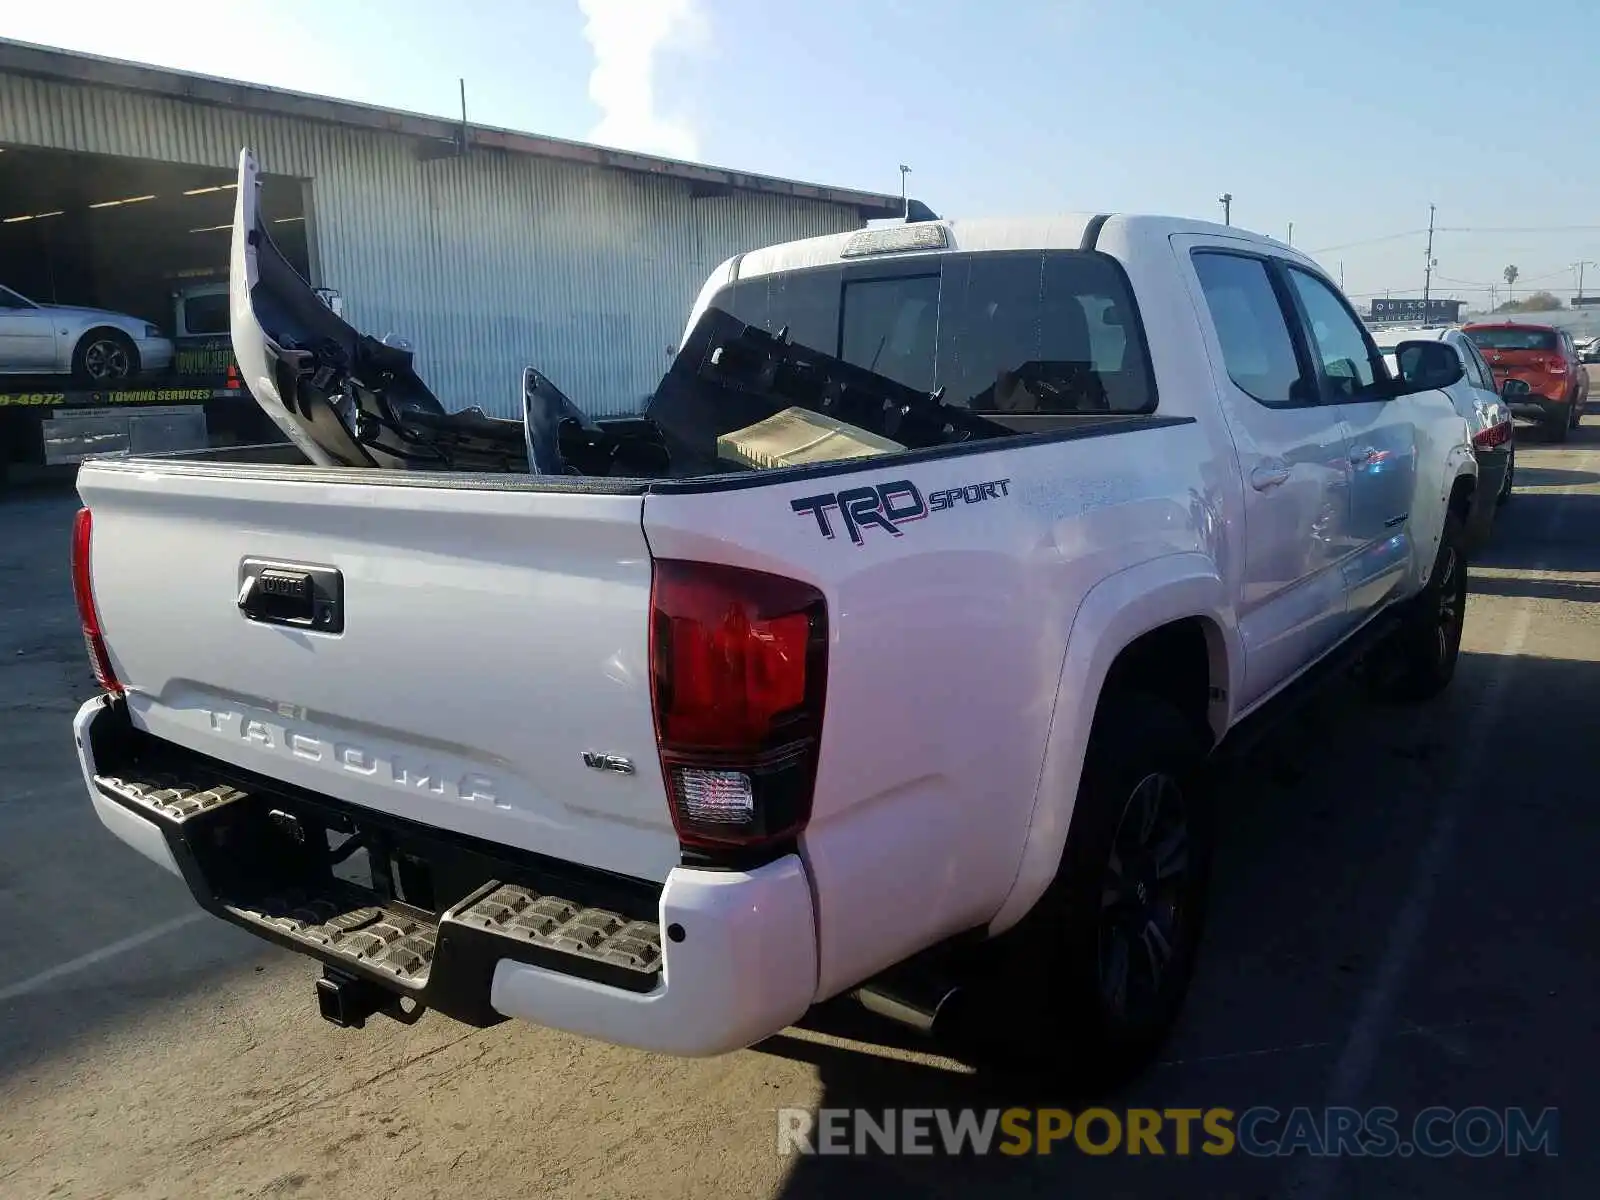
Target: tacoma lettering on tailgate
{"points": [[888, 506], [468, 788]]}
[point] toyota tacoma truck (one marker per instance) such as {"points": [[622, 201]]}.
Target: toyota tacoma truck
{"points": [[884, 656]]}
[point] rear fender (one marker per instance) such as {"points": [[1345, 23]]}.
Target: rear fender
{"points": [[1113, 615]]}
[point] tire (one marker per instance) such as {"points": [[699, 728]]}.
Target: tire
{"points": [[1419, 660], [105, 356], [1507, 482], [1054, 1000]]}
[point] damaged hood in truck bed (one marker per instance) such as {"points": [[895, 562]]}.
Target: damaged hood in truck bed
{"points": [[347, 399], [344, 398]]}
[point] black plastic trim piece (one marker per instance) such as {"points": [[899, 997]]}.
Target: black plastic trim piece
{"points": [[1090, 428], [481, 481], [1091, 231]]}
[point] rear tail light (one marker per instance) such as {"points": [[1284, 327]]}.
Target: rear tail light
{"points": [[738, 664], [1495, 435], [88, 616]]}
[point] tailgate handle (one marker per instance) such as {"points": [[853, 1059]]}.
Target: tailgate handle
{"points": [[301, 597]]}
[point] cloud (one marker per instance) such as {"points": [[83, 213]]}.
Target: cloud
{"points": [[627, 36]]}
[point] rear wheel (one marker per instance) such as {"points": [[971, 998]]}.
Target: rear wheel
{"points": [[105, 356], [1419, 661], [1091, 982]]}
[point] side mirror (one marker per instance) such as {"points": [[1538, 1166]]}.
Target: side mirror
{"points": [[1511, 389], [1425, 366]]}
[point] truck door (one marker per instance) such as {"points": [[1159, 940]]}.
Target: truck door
{"points": [[1382, 444], [27, 335], [1291, 449]]}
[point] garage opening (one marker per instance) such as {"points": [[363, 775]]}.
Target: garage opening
{"points": [[146, 243], [126, 234]]}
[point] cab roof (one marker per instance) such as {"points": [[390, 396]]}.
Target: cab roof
{"points": [[1121, 234]]}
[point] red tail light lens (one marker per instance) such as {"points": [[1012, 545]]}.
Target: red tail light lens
{"points": [[1495, 435], [738, 663], [88, 616]]}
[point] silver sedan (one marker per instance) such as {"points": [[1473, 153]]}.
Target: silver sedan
{"points": [[93, 345]]}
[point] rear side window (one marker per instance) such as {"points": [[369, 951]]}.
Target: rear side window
{"points": [[1478, 373], [1023, 333], [1257, 348]]}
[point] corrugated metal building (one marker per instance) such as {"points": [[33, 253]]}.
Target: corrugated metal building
{"points": [[488, 249]]}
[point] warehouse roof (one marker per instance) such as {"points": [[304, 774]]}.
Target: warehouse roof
{"points": [[45, 62]]}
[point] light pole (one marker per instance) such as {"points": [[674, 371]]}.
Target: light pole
{"points": [[1427, 273], [1226, 200], [905, 204]]}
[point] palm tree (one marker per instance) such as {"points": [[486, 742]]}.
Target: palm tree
{"points": [[1511, 279]]}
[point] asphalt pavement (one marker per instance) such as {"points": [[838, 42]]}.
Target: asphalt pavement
{"points": [[1404, 914]]}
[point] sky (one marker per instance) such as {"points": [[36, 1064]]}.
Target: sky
{"points": [[1347, 118]]}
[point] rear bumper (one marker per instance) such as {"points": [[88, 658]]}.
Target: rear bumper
{"points": [[712, 962]]}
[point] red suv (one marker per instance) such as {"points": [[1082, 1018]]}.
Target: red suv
{"points": [[1543, 358]]}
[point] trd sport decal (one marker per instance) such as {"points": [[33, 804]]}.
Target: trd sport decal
{"points": [[890, 505]]}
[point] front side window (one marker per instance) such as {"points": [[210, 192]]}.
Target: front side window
{"points": [[1257, 348], [1337, 339]]}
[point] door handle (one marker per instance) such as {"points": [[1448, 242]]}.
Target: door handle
{"points": [[1363, 456], [1264, 479]]}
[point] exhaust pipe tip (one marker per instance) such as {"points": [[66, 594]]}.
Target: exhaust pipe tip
{"points": [[917, 1009]]}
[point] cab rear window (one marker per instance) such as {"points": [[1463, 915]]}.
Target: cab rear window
{"points": [[1018, 333]]}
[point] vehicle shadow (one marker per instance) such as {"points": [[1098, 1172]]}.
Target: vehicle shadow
{"points": [[1530, 476], [1321, 833], [1544, 531]]}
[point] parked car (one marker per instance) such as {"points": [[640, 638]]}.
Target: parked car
{"points": [[925, 710], [1544, 358], [1589, 348], [95, 346], [1486, 411]]}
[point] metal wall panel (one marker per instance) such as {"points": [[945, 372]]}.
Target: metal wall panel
{"points": [[486, 262]]}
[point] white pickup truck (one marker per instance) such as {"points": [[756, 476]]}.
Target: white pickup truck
{"points": [[667, 748]]}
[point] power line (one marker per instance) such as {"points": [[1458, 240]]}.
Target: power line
{"points": [[1390, 237]]}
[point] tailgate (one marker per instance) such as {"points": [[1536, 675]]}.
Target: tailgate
{"points": [[487, 639]]}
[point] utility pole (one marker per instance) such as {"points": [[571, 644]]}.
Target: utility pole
{"points": [[1341, 275], [1579, 266], [905, 204], [1226, 200], [1291, 233], [1427, 274]]}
